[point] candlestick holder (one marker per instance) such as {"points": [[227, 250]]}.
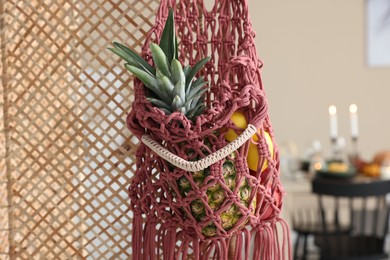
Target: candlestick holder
{"points": [[355, 151], [354, 158], [334, 148], [338, 149]]}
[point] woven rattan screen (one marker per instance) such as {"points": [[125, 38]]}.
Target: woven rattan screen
{"points": [[65, 153]]}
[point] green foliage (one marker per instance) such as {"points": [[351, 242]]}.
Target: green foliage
{"points": [[173, 87]]}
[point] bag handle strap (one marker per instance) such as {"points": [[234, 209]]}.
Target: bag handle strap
{"points": [[194, 166]]}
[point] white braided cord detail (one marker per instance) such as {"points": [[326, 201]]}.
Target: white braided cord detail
{"points": [[201, 164]]}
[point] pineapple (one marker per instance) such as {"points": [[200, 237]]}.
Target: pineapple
{"points": [[174, 88], [216, 196]]}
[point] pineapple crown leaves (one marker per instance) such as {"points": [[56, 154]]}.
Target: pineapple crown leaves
{"points": [[175, 88]]}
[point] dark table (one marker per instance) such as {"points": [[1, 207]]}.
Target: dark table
{"points": [[357, 185]]}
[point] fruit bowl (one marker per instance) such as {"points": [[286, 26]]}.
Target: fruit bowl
{"points": [[337, 170]]}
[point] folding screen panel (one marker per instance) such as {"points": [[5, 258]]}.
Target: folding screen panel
{"points": [[65, 153]]}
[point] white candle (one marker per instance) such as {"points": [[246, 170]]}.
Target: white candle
{"points": [[354, 120], [333, 122]]}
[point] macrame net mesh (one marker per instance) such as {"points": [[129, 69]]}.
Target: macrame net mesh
{"points": [[171, 222]]}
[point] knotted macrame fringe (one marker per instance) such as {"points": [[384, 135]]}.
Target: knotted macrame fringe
{"points": [[267, 241], [168, 239], [239, 245], [137, 236], [150, 243]]}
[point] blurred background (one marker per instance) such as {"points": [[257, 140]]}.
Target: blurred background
{"points": [[315, 54]]}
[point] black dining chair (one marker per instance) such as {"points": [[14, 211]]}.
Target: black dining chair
{"points": [[359, 205], [306, 223]]}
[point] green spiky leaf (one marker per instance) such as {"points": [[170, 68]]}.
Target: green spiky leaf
{"points": [[168, 42], [177, 102], [197, 95], [165, 85], [132, 58], [196, 87], [177, 72], [196, 110], [195, 70], [148, 80], [180, 90], [160, 59], [168, 86], [159, 103], [187, 70]]}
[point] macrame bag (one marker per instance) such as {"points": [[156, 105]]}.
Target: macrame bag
{"points": [[193, 195]]}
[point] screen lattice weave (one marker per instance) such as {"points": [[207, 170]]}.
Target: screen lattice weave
{"points": [[66, 157]]}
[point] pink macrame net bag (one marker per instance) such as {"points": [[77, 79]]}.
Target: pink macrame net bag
{"points": [[163, 224]]}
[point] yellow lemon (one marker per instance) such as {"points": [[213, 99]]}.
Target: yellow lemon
{"points": [[253, 153], [240, 121]]}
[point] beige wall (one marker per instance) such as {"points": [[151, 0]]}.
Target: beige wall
{"points": [[314, 56]]}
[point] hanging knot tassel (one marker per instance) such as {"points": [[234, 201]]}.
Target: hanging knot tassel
{"points": [[169, 243], [150, 244], [137, 235], [239, 245]]}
